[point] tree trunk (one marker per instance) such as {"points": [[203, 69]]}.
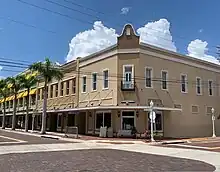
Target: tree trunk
{"points": [[44, 114], [27, 110], [14, 112], [4, 112]]}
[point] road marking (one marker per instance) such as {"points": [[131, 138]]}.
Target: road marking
{"points": [[10, 138]]}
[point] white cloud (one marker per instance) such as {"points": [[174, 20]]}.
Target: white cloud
{"points": [[157, 33], [198, 49], [125, 10], [200, 30], [91, 41], [1, 68]]}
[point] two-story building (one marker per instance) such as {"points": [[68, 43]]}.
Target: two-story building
{"points": [[113, 88]]}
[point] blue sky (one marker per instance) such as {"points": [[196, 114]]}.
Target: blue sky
{"points": [[189, 20]]}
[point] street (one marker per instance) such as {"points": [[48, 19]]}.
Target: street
{"points": [[24, 153]]}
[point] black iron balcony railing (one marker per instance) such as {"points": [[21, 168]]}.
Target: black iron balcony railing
{"points": [[127, 86]]}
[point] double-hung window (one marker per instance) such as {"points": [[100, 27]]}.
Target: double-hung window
{"points": [[164, 76], [105, 79], [198, 85], [84, 84], [148, 77], [183, 83], [210, 87], [94, 81]]}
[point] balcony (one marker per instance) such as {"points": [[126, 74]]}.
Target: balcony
{"points": [[127, 86]]}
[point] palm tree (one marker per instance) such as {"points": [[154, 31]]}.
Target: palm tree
{"points": [[15, 85], [4, 91], [47, 70], [27, 81]]}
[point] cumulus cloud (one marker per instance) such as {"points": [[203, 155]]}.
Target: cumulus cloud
{"points": [[91, 41], [157, 33], [125, 10], [198, 49]]}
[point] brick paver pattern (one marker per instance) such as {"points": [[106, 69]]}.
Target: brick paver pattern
{"points": [[97, 161]]}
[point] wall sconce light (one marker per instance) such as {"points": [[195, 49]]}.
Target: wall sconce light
{"points": [[90, 114], [119, 113], [137, 114]]}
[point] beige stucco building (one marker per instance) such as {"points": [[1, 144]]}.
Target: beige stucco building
{"points": [[113, 88]]}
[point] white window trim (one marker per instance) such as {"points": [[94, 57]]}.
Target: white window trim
{"points": [[182, 74], [59, 114], [132, 73], [192, 111], [83, 83], [96, 81], [200, 86], [61, 89], [211, 88], [128, 117], [148, 67], [166, 79], [66, 87], [103, 112], [104, 79], [206, 110]]}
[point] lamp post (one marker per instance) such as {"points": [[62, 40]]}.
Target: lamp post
{"points": [[213, 123], [151, 120]]}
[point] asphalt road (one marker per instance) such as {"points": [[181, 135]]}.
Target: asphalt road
{"points": [[97, 161], [28, 139]]}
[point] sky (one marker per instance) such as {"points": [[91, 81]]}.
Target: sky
{"points": [[65, 29]]}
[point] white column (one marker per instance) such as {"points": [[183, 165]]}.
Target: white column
{"points": [[213, 122], [151, 121]]}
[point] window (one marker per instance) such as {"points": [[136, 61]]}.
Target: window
{"points": [[128, 76], [11, 103], [148, 77], [59, 120], [67, 87], [38, 94], [74, 86], [84, 84], [183, 83], [103, 119], [33, 99], [56, 90], [61, 89], [208, 110], [94, 81], [105, 78], [71, 120], [195, 109], [128, 120], [198, 86], [51, 91], [210, 87], [158, 125], [164, 79]]}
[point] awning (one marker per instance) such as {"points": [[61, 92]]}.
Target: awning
{"points": [[33, 91], [111, 107], [20, 95], [11, 97]]}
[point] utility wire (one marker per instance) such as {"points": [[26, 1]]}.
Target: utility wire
{"points": [[54, 12], [88, 22], [103, 13], [26, 24]]}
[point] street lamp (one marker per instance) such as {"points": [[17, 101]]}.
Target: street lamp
{"points": [[151, 120], [213, 122]]}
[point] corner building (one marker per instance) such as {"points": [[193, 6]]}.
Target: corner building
{"points": [[114, 87]]}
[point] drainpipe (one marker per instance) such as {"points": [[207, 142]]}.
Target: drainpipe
{"points": [[77, 81], [77, 89]]}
